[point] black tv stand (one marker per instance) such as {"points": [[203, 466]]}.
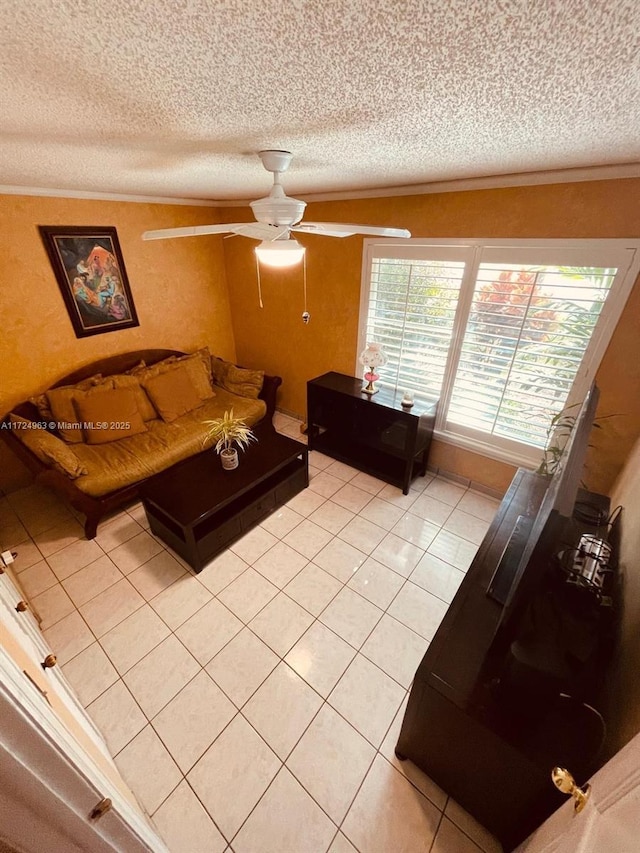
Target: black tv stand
{"points": [[504, 575], [472, 724]]}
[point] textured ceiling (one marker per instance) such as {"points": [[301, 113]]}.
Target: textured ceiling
{"points": [[173, 97]]}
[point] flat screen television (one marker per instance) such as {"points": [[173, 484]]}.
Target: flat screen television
{"points": [[538, 535]]}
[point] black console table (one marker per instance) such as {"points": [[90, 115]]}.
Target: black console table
{"points": [[373, 433], [477, 721]]}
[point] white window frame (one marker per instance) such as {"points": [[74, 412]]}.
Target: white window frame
{"points": [[624, 254]]}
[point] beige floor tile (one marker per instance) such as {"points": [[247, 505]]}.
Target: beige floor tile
{"points": [[111, 534], [394, 495], [134, 637], [117, 715], [149, 769], [431, 509], [376, 583], [159, 676], [281, 623], [352, 498], [89, 582], [479, 505], [138, 514], [443, 490], [320, 657], [185, 825], [253, 544], [416, 530], [156, 574], [12, 534], [27, 554], [331, 516], [453, 549], [222, 571], [396, 553], [313, 588], [319, 460], [90, 673], [368, 483], [396, 649], [415, 775], [52, 605], [111, 607], [68, 637], [342, 845], [362, 534], [182, 599], [308, 538], [281, 522], [136, 551], [382, 513], [340, 559], [241, 666], [470, 826], [306, 502], [389, 814], [325, 485], [351, 617], [39, 520], [437, 577], [467, 526], [450, 839], [342, 471], [286, 818], [280, 564], [296, 705], [209, 630], [193, 719], [56, 538], [37, 579], [233, 774], [247, 595], [330, 761], [367, 698], [418, 610], [74, 557]]}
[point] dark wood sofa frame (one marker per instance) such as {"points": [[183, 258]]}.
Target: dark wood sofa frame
{"points": [[96, 508]]}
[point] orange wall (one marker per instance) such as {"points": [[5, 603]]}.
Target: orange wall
{"points": [[276, 338], [178, 286]]}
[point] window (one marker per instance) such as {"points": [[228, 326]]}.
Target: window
{"points": [[506, 333]]}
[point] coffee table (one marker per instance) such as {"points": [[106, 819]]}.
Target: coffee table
{"points": [[199, 509]]}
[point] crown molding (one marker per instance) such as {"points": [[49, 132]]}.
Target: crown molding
{"points": [[51, 192], [515, 179]]}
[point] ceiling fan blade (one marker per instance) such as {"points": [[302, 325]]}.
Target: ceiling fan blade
{"points": [[341, 229], [193, 231]]}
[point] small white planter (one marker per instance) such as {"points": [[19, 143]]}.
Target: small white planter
{"points": [[229, 459]]}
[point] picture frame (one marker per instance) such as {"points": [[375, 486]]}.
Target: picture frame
{"points": [[90, 272]]}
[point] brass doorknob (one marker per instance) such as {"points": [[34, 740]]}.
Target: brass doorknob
{"points": [[49, 661], [21, 606], [564, 781]]}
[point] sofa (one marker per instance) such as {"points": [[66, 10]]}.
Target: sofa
{"points": [[97, 434]]}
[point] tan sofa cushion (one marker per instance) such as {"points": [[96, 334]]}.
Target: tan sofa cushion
{"points": [[109, 415], [173, 393], [144, 404], [64, 412], [237, 380], [120, 463], [47, 447]]}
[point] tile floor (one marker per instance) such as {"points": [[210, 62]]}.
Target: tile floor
{"points": [[254, 708]]}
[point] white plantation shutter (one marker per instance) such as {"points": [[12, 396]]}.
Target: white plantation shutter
{"points": [[506, 333]]}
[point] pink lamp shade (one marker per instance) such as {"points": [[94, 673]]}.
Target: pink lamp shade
{"points": [[372, 357]]}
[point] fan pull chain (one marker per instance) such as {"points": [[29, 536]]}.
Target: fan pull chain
{"points": [[305, 314], [259, 283]]}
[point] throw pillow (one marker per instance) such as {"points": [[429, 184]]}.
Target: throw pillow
{"points": [[219, 370], [173, 393], [149, 370], [113, 414], [245, 383], [41, 401], [144, 404], [48, 448], [198, 366], [63, 410]]}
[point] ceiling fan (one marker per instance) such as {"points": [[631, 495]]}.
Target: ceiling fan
{"points": [[277, 216]]}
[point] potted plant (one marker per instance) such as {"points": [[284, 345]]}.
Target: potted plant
{"points": [[227, 431]]}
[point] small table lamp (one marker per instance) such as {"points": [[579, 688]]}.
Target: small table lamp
{"points": [[372, 357]]}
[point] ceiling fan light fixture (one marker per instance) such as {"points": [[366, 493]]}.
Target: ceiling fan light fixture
{"points": [[279, 253]]}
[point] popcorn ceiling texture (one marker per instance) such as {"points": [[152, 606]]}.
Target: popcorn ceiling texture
{"points": [[174, 97]]}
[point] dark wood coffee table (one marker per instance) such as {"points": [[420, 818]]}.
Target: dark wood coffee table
{"points": [[199, 510]]}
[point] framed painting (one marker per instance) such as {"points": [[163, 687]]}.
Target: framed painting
{"points": [[90, 272]]}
